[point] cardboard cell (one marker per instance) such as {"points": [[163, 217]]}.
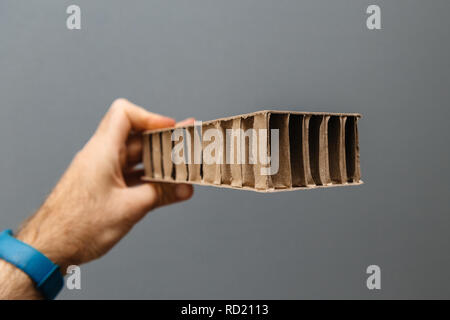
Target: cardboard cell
{"points": [[357, 176], [225, 167], [306, 157], [296, 150], [260, 124], [324, 166], [342, 153], [350, 149], [195, 158], [233, 143], [168, 170], [282, 177], [249, 151], [157, 155], [146, 155], [179, 143], [314, 148], [212, 143], [334, 146]]}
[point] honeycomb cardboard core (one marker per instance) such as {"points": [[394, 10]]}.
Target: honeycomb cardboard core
{"points": [[265, 151]]}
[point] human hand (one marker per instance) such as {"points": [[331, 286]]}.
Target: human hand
{"points": [[101, 196]]}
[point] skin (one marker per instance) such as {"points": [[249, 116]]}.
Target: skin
{"points": [[98, 199]]}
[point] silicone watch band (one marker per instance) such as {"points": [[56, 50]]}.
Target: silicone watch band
{"points": [[46, 275]]}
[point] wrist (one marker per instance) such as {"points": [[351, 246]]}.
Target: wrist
{"points": [[40, 241], [16, 284], [45, 275]]}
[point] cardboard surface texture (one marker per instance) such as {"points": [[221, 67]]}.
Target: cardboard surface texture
{"points": [[306, 150]]}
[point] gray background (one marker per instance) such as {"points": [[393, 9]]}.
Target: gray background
{"points": [[211, 59]]}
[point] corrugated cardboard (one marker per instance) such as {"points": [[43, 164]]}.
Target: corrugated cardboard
{"points": [[315, 149]]}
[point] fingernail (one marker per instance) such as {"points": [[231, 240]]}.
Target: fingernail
{"points": [[161, 117], [185, 122], [168, 119], [183, 191]]}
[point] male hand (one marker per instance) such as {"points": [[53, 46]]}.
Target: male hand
{"points": [[101, 196]]}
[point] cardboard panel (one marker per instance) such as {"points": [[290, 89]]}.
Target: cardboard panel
{"points": [[157, 155], [296, 150], [181, 168], [194, 148], [225, 168], [334, 147], [212, 143], [282, 179], [342, 153], [314, 149], [324, 166], [357, 176], [146, 155], [351, 150], [235, 150], [168, 169], [261, 125], [249, 151], [305, 145]]}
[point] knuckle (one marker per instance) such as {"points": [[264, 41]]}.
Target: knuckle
{"points": [[119, 104]]}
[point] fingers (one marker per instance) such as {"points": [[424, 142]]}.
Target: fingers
{"points": [[134, 177], [134, 150], [147, 196], [124, 116], [185, 122], [169, 193], [141, 119]]}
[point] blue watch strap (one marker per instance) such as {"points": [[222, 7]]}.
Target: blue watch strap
{"points": [[46, 275]]}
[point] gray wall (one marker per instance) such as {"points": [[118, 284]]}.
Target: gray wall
{"points": [[211, 59]]}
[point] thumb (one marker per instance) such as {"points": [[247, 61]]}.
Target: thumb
{"points": [[145, 197]]}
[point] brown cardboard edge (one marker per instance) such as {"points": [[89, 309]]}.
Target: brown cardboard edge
{"points": [[313, 113], [256, 190]]}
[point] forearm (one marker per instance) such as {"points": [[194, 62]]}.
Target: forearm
{"points": [[15, 284], [97, 201]]}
